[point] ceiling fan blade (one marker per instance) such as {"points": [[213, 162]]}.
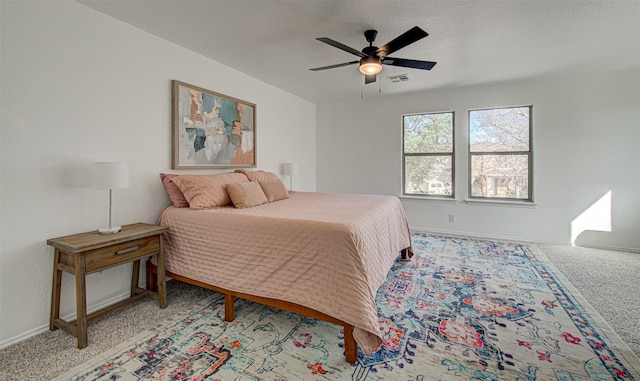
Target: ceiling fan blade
{"points": [[409, 37], [414, 64], [369, 78], [340, 46], [334, 66]]}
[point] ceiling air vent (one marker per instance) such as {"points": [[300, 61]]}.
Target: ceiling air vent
{"points": [[399, 78]]}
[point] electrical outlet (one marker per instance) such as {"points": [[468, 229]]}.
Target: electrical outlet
{"points": [[452, 218]]}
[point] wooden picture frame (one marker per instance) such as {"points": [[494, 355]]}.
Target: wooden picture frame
{"points": [[211, 130]]}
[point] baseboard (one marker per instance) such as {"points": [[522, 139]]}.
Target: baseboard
{"points": [[517, 239], [69, 317]]}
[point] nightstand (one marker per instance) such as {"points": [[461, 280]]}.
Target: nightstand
{"points": [[86, 253]]}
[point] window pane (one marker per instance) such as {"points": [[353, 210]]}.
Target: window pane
{"points": [[428, 133], [428, 175], [499, 130], [500, 176]]}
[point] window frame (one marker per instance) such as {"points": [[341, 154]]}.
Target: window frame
{"points": [[529, 154], [451, 154]]}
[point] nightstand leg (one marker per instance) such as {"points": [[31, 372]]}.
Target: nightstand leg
{"points": [[162, 282], [135, 277], [81, 301], [55, 291]]}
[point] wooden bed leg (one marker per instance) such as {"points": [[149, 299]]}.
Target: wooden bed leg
{"points": [[350, 346], [152, 276], [229, 308]]}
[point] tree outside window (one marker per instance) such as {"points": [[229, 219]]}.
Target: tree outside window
{"points": [[428, 155], [500, 159]]}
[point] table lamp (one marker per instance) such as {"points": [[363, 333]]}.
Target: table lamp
{"points": [[110, 175], [290, 169]]}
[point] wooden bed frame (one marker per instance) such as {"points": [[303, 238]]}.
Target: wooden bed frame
{"points": [[350, 346]]}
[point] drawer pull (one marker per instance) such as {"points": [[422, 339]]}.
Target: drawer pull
{"points": [[126, 251]]}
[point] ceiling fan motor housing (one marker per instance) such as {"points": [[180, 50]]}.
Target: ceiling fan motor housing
{"points": [[370, 50]]}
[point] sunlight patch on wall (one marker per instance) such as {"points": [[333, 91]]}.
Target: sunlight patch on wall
{"points": [[595, 217]]}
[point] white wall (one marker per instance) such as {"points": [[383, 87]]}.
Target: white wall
{"points": [[586, 139], [77, 87]]}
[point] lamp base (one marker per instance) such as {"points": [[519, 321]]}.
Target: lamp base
{"points": [[111, 230]]}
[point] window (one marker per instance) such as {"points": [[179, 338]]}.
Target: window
{"points": [[428, 159], [500, 158]]}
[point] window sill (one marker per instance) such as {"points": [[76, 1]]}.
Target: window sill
{"points": [[430, 199], [515, 204], [503, 203]]}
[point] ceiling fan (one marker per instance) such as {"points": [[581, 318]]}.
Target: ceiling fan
{"points": [[372, 57]]}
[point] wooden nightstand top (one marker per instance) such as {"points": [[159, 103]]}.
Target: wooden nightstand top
{"points": [[78, 243]]}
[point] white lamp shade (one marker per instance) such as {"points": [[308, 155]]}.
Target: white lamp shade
{"points": [[290, 169], [110, 175]]}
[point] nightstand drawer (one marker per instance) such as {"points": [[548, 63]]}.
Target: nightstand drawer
{"points": [[99, 259]]}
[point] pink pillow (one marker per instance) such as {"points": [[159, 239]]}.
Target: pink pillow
{"points": [[175, 195], [258, 175], [207, 191]]}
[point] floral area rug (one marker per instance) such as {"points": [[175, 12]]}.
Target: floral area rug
{"points": [[460, 309]]}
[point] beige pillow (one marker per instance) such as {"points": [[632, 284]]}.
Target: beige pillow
{"points": [[207, 191], [274, 189], [245, 195]]}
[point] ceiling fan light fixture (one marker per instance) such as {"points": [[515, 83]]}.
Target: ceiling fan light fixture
{"points": [[370, 65]]}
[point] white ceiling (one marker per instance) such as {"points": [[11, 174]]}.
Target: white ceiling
{"points": [[473, 42]]}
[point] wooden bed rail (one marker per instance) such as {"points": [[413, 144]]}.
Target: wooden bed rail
{"points": [[350, 346]]}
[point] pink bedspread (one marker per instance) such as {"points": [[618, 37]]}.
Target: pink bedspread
{"points": [[326, 251]]}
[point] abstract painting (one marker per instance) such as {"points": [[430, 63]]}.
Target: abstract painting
{"points": [[211, 130]]}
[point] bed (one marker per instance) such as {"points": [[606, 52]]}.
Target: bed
{"points": [[323, 255]]}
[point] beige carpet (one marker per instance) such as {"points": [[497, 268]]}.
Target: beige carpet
{"points": [[608, 279]]}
